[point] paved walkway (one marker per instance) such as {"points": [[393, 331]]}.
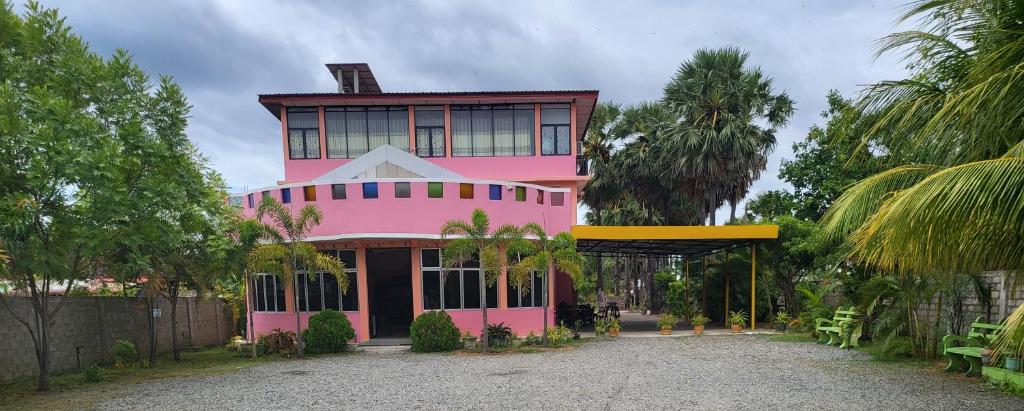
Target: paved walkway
{"points": [[706, 372]]}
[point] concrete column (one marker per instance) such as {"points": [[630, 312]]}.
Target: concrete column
{"points": [[364, 294], [536, 129], [503, 284], [341, 81], [355, 81], [417, 283]]}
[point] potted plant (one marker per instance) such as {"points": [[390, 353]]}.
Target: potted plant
{"points": [[698, 320], [666, 322], [613, 327], [738, 319], [1012, 363], [468, 340], [600, 327], [781, 321]]}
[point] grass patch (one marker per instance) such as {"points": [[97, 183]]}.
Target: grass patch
{"points": [[70, 390]]}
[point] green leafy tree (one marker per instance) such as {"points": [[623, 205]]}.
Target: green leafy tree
{"points": [[474, 240], [289, 254], [795, 256], [548, 254], [771, 204]]}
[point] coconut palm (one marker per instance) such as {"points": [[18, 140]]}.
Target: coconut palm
{"points": [[605, 184], [288, 254], [715, 149], [474, 240], [549, 254]]}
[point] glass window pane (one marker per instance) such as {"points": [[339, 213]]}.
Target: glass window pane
{"points": [[300, 279], [369, 190], [435, 190], [303, 118], [492, 295], [550, 115], [398, 128], [334, 123], [524, 129], [260, 291], [558, 199], [355, 122], [562, 136], [314, 293], [513, 296], [265, 195], [547, 140], [338, 191], [462, 126], [538, 290], [312, 143], [429, 116], [466, 191], [378, 128], [402, 190], [332, 295], [286, 195], [504, 133], [494, 192], [437, 142], [423, 142], [483, 136], [520, 193], [540, 196], [348, 257], [431, 290], [295, 144], [309, 193], [431, 257], [452, 290], [471, 289], [278, 293], [350, 300]]}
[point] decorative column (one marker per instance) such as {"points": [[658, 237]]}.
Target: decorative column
{"points": [[502, 283], [417, 283], [364, 294]]}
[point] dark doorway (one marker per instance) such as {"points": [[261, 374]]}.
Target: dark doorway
{"points": [[389, 274]]}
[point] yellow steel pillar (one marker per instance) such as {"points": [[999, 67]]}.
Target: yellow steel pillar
{"points": [[753, 286], [726, 315]]}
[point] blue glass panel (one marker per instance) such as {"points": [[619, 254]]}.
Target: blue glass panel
{"points": [[369, 190], [286, 195], [495, 192]]}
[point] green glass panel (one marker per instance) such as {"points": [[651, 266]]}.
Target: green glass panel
{"points": [[520, 193], [435, 190]]}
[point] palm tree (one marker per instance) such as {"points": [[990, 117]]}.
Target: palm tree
{"points": [[245, 235], [714, 150], [954, 201], [604, 185], [549, 254], [474, 240], [289, 254]]}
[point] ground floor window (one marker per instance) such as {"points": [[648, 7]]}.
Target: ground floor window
{"points": [[527, 296], [452, 289], [321, 291], [268, 293]]}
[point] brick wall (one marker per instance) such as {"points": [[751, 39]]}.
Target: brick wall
{"points": [[90, 325], [1004, 299]]}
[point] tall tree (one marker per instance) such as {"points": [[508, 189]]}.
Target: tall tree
{"points": [[605, 185], [474, 240], [289, 254], [549, 254]]}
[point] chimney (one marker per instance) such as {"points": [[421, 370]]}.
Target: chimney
{"points": [[355, 80], [341, 82]]}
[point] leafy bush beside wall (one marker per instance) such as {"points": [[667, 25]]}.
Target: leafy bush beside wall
{"points": [[328, 332], [434, 331]]}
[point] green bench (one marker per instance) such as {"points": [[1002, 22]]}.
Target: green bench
{"points": [[844, 329], [965, 352]]}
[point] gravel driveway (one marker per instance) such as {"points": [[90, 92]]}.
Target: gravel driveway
{"points": [[716, 372]]}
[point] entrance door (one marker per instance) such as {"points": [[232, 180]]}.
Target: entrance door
{"points": [[389, 274]]}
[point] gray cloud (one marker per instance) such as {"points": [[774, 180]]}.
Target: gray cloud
{"points": [[224, 54]]}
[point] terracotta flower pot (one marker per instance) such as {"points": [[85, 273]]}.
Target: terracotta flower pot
{"points": [[698, 329], [737, 328], [666, 330], [613, 332]]}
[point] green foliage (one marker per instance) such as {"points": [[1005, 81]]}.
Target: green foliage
{"points": [[675, 299], [499, 334], [434, 331], [560, 335], [93, 373], [614, 324], [667, 320], [125, 354], [278, 341], [531, 339], [781, 317], [738, 317], [328, 332], [600, 327], [698, 319]]}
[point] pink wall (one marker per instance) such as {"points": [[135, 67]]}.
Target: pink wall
{"points": [[498, 168], [420, 214], [265, 322]]}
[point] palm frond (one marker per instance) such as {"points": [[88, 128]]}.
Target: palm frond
{"points": [[859, 202]]}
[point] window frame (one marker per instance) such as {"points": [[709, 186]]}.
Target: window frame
{"points": [[513, 108], [391, 134], [429, 150], [267, 297], [305, 134], [351, 272], [460, 273]]}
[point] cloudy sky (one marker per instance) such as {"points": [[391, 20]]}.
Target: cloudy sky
{"points": [[226, 53]]}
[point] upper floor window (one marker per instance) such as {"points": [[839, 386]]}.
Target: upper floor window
{"points": [[354, 131], [430, 131], [554, 129], [303, 133], [500, 130]]}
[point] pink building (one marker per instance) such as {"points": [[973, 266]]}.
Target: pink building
{"points": [[388, 169]]}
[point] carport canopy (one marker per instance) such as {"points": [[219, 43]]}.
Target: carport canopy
{"points": [[685, 241]]}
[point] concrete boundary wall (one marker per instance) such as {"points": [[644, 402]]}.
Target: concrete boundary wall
{"points": [[87, 327]]}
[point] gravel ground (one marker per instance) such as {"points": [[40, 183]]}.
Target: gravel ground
{"points": [[709, 372]]}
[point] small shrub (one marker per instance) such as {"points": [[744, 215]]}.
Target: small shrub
{"points": [[499, 335], [531, 339], [328, 332], [279, 341], [125, 354], [93, 373], [434, 331], [667, 320], [698, 319], [559, 335]]}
